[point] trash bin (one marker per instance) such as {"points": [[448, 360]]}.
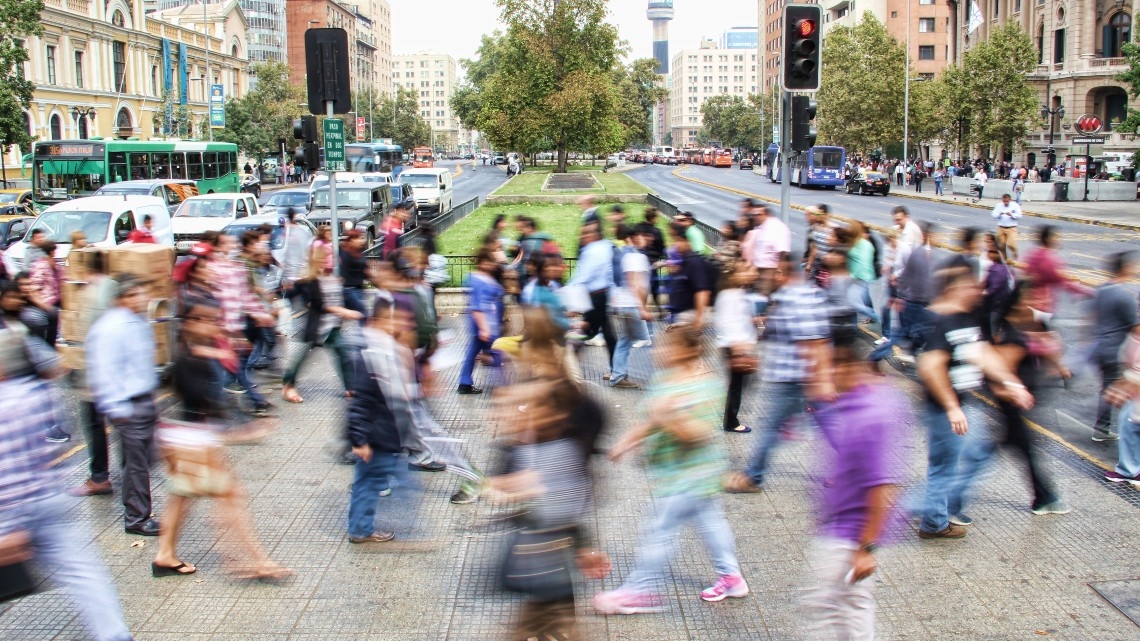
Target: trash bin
{"points": [[1061, 191], [1128, 174]]}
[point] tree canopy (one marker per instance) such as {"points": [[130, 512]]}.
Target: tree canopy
{"points": [[1131, 77], [255, 121], [18, 20]]}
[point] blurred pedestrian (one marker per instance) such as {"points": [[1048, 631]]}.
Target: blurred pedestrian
{"points": [[736, 337], [484, 303], [353, 266], [595, 272], [144, 234], [45, 276], [98, 296], [1114, 316], [627, 302]]}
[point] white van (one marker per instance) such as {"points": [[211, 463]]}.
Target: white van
{"points": [[209, 212], [431, 187], [106, 221]]}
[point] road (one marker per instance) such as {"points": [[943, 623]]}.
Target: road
{"points": [[1065, 413]]}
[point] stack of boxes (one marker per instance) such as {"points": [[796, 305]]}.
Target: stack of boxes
{"points": [[151, 263]]}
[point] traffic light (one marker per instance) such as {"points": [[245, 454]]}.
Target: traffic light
{"points": [[803, 132], [801, 47], [308, 155], [305, 128]]}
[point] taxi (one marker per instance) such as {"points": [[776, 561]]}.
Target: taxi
{"points": [[15, 219], [16, 196]]}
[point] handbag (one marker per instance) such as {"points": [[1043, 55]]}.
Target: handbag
{"points": [[195, 459], [538, 563], [743, 360], [15, 581]]}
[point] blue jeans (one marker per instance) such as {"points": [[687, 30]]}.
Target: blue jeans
{"points": [[354, 300], [937, 187], [912, 326], [369, 478], [953, 462], [630, 330], [60, 549], [787, 400], [1128, 453], [859, 297], [242, 378], [474, 348], [673, 512], [265, 340]]}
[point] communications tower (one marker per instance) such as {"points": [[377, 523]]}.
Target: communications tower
{"points": [[660, 12]]}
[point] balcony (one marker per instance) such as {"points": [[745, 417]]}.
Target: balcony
{"points": [[1108, 66]]}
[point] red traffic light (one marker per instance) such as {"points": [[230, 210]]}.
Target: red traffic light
{"points": [[806, 28]]}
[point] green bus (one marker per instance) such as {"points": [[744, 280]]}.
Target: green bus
{"points": [[65, 169]]}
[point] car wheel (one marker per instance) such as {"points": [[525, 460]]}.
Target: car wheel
{"points": [[862, 190]]}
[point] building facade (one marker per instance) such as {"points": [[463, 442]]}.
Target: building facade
{"points": [[433, 76], [302, 15], [740, 38], [109, 70], [1079, 54], [265, 35], [700, 74]]}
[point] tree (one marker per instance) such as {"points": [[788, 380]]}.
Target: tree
{"points": [[732, 121], [1131, 77], [861, 87], [467, 99], [19, 20], [258, 119], [638, 92], [767, 106], [992, 83]]}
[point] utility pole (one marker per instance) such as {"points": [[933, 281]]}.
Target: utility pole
{"points": [[785, 151], [208, 83], [906, 88]]}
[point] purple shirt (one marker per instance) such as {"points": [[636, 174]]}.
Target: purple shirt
{"points": [[862, 428]]}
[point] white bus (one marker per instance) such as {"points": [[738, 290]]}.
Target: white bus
{"points": [[664, 151]]}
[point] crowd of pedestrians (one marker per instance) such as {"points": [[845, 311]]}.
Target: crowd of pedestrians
{"points": [[974, 326]]}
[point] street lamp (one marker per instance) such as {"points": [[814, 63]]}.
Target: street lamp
{"points": [[84, 113], [1052, 115]]}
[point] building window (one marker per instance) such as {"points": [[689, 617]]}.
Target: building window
{"points": [[56, 128], [79, 69], [119, 55], [926, 52], [1058, 46], [50, 65], [1116, 33], [925, 1], [1041, 44], [83, 133], [926, 25], [117, 18]]}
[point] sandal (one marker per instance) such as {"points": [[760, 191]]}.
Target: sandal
{"points": [[276, 575], [182, 569], [739, 429], [291, 396]]}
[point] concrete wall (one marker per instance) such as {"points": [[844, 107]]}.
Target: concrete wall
{"points": [[1098, 189]]}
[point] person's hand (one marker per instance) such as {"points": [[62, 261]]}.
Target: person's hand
{"points": [[863, 565], [1118, 394], [645, 315], [15, 548], [594, 563], [363, 451], [957, 421], [484, 335], [1021, 397]]}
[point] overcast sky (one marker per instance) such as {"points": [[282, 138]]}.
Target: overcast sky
{"points": [[455, 26]]}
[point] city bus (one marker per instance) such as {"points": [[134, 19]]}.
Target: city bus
{"points": [[819, 166], [663, 151], [722, 158], [369, 157], [707, 155], [422, 158], [65, 169]]}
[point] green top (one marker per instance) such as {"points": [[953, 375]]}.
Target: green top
{"points": [[697, 240], [674, 468], [861, 261]]}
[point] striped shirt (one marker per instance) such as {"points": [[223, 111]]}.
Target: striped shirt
{"points": [[27, 411]]}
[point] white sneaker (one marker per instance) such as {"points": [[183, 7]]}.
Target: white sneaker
{"points": [[596, 341], [645, 343], [881, 340]]}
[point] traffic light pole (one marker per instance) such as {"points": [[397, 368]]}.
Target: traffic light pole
{"points": [[329, 104], [785, 150]]}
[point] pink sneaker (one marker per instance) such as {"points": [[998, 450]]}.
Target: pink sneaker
{"points": [[726, 586], [623, 601]]}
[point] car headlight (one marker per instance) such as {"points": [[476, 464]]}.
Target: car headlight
{"points": [[434, 201], [347, 225]]}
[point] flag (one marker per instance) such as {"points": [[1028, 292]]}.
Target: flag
{"points": [[976, 18]]}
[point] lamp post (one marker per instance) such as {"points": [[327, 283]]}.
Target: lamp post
{"points": [[1052, 115], [84, 113]]}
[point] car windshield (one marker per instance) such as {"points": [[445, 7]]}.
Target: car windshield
{"points": [[206, 208], [360, 198], [58, 225], [870, 175], [8, 198], [288, 199], [419, 180]]}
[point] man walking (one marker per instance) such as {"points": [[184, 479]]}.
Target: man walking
{"points": [[627, 302], [1008, 215], [765, 244], [120, 368], [239, 302], [690, 291], [595, 271], [915, 288], [1114, 316]]}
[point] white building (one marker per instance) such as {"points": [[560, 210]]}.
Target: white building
{"points": [[433, 76], [700, 74]]}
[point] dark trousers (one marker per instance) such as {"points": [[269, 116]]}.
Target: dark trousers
{"points": [[136, 436], [1018, 437], [354, 300], [597, 320], [95, 430], [736, 384], [1109, 374]]}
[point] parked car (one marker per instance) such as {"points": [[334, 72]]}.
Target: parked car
{"points": [[746, 162], [14, 226], [500, 159], [106, 221], [433, 189], [276, 239], [174, 192], [869, 182], [209, 212], [296, 198], [358, 206]]}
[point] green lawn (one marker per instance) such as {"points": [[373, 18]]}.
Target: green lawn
{"points": [[560, 221], [530, 181]]}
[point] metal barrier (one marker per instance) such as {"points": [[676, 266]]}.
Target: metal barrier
{"points": [[439, 224], [713, 236], [459, 267]]}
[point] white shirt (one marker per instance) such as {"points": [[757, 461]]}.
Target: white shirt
{"points": [[981, 178], [1007, 215], [911, 234], [633, 262], [732, 318]]}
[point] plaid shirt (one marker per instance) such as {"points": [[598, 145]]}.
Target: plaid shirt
{"points": [[797, 313], [27, 411], [236, 298]]}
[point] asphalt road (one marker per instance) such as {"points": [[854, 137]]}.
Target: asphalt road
{"points": [[1065, 413]]}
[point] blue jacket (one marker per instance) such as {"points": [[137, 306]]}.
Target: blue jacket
{"points": [[370, 420]]}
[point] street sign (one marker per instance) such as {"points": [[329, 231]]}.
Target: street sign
{"points": [[1091, 149], [334, 144], [1088, 124], [1088, 140], [217, 107], [360, 127]]}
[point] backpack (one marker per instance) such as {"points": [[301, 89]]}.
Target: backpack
{"points": [[712, 269]]}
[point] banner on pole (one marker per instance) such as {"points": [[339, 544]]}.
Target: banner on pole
{"points": [[217, 107]]}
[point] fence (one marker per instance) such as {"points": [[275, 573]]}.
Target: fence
{"points": [[713, 236], [458, 268], [439, 224]]}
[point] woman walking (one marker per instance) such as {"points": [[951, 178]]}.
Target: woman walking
{"points": [[736, 336]]}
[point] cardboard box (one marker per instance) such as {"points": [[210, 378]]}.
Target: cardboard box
{"points": [[73, 355], [146, 260], [79, 263], [163, 353], [71, 295], [160, 289], [71, 327]]}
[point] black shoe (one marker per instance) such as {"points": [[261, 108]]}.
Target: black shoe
{"points": [[470, 389], [56, 435], [433, 466], [148, 527]]}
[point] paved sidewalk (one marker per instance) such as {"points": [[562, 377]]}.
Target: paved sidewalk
{"points": [[1016, 576]]}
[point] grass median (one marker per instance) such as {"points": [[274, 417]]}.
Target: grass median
{"points": [[560, 221], [531, 180]]}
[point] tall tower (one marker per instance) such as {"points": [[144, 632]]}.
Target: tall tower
{"points": [[660, 12]]}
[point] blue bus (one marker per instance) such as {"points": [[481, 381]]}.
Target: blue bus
{"points": [[820, 166], [367, 157], [772, 158]]}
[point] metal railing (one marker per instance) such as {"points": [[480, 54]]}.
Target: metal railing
{"points": [[439, 224], [713, 236], [459, 267]]}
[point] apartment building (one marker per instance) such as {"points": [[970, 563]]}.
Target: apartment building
{"points": [[433, 76], [700, 74]]}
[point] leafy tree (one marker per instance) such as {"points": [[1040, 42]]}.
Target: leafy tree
{"points": [[732, 121], [999, 100], [767, 108], [1131, 77], [638, 92], [467, 99], [18, 20], [861, 87], [256, 120]]}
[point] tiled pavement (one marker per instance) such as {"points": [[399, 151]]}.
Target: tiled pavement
{"points": [[1016, 576]]}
